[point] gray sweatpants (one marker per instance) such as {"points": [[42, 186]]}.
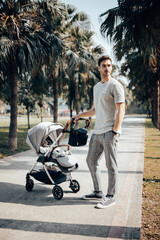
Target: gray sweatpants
{"points": [[106, 142]]}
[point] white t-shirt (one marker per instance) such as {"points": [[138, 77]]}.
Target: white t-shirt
{"points": [[106, 95]]}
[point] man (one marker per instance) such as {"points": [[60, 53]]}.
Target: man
{"points": [[109, 108]]}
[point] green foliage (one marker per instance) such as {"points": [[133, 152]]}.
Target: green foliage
{"points": [[45, 48], [142, 77], [22, 134], [133, 27], [136, 108]]}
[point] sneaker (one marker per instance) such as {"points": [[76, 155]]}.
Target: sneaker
{"points": [[106, 202], [93, 196]]}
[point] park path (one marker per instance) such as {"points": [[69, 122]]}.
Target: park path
{"points": [[37, 215]]}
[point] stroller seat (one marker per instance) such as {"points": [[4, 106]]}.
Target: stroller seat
{"points": [[67, 161], [64, 158]]}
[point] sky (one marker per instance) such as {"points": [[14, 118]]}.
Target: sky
{"points": [[93, 8]]}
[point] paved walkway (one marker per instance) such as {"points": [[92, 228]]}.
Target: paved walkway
{"points": [[37, 215]]}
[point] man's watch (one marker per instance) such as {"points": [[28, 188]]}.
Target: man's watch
{"points": [[114, 132]]}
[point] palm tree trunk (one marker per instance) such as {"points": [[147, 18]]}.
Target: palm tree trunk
{"points": [[55, 95], [71, 97], [158, 79], [41, 109], [158, 104], [77, 94], [91, 98], [158, 75], [12, 138], [152, 109], [28, 118], [155, 106]]}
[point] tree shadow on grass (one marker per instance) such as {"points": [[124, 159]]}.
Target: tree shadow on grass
{"points": [[151, 180]]}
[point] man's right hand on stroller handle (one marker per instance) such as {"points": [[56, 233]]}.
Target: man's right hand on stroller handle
{"points": [[77, 118], [73, 121]]}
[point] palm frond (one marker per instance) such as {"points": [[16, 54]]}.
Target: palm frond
{"points": [[111, 18], [5, 46]]}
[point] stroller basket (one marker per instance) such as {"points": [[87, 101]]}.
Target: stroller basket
{"points": [[58, 177]]}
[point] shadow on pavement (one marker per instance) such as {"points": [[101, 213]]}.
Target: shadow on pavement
{"points": [[73, 229], [39, 196]]}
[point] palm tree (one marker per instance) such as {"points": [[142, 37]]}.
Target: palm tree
{"points": [[32, 88], [79, 58], [21, 44], [134, 27], [135, 69], [55, 14]]}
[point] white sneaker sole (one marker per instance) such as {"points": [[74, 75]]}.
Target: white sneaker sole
{"points": [[100, 206]]}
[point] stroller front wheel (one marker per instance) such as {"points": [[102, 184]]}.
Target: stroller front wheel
{"points": [[57, 192], [74, 185], [29, 185]]}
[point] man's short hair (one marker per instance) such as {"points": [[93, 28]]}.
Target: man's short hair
{"points": [[101, 59]]}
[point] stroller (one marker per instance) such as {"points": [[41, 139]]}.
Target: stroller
{"points": [[57, 163]]}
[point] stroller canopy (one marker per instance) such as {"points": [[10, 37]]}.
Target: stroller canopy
{"points": [[37, 135]]}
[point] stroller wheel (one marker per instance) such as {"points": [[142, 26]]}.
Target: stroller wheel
{"points": [[74, 185], [57, 192], [29, 185]]}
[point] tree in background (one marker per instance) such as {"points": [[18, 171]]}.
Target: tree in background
{"points": [[20, 46], [79, 59], [45, 52], [26, 42], [134, 26], [55, 15], [28, 100]]}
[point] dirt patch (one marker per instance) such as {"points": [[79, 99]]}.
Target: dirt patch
{"points": [[151, 184]]}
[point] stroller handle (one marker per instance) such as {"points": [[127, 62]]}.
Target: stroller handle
{"points": [[64, 145], [88, 122]]}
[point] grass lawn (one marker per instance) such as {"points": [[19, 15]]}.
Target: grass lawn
{"points": [[22, 132], [151, 184]]}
